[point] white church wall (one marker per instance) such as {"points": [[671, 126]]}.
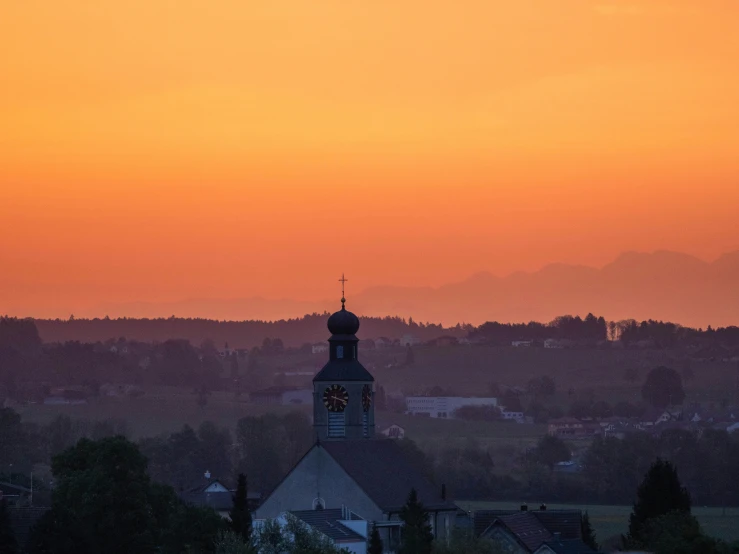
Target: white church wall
{"points": [[318, 475]]}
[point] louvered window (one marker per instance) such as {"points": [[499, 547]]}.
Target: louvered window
{"points": [[336, 427]]}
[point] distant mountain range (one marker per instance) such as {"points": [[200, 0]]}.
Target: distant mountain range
{"points": [[660, 285]]}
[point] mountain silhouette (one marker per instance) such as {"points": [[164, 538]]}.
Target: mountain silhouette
{"points": [[660, 285]]}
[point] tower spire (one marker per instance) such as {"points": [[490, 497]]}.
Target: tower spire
{"points": [[342, 281]]}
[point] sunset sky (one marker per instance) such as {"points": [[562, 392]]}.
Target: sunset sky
{"points": [[158, 150]]}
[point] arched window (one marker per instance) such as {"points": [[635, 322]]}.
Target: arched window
{"points": [[318, 504]]}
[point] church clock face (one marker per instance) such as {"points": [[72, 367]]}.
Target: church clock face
{"points": [[335, 398], [366, 397]]}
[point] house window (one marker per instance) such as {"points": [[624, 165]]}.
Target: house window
{"points": [[339, 351], [336, 424]]}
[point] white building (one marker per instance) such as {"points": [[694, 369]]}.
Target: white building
{"points": [[394, 432], [518, 417], [409, 340], [521, 343], [319, 348], [443, 406]]}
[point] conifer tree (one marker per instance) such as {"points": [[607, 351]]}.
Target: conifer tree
{"points": [[375, 542], [659, 494], [240, 514], [587, 532], [417, 537]]}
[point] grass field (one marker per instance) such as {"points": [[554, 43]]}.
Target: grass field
{"points": [[161, 410], [611, 521]]}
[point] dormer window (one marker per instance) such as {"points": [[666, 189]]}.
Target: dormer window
{"points": [[339, 352]]}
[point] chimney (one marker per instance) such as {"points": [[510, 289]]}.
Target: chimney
{"points": [[524, 507], [207, 474], [443, 491], [543, 507]]}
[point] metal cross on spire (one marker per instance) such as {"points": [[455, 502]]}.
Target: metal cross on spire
{"points": [[342, 281]]}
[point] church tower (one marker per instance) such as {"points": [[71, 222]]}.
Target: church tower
{"points": [[343, 391]]}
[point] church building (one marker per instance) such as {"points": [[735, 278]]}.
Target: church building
{"points": [[348, 467]]}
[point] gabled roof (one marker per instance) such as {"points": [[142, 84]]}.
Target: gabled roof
{"points": [[199, 485], [384, 473], [482, 519], [527, 528], [564, 522], [328, 523]]}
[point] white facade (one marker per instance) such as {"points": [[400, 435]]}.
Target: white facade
{"points": [[521, 343], [409, 340], [443, 406], [394, 432], [515, 416], [319, 348]]}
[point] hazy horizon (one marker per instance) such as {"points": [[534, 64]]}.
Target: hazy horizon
{"points": [[475, 298]]}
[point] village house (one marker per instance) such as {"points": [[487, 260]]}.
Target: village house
{"points": [[570, 427], [394, 432], [212, 493], [534, 532], [319, 348], [443, 406]]}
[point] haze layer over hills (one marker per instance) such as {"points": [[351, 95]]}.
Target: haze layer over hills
{"points": [[660, 285]]}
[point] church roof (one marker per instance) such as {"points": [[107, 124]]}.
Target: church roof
{"points": [[383, 472], [343, 370], [328, 523]]}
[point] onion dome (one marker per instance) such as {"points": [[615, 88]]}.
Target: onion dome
{"points": [[343, 322]]}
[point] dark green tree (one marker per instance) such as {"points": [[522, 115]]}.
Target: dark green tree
{"points": [[8, 544], [587, 532], [663, 387], [678, 533], [229, 542], [660, 493], [550, 450], [375, 543], [240, 514], [105, 502], [417, 537]]}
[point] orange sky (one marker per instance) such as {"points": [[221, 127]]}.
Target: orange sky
{"points": [[159, 150]]}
